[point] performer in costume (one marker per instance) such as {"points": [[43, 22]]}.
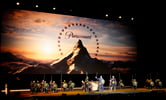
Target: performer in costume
{"points": [[83, 85], [134, 83], [71, 85], [64, 85], [87, 84], [121, 84], [112, 83], [53, 86], [158, 83], [38, 86], [101, 83], [45, 87], [42, 85], [149, 83], [33, 86]]}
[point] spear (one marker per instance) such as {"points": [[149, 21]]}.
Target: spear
{"points": [[119, 76], [86, 73], [96, 74], [110, 75], [51, 78], [44, 77], [110, 80], [61, 81]]}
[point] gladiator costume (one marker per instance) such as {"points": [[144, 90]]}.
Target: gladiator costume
{"points": [[64, 85], [71, 85], [86, 84], [134, 83], [38, 87], [83, 85], [158, 83], [54, 86], [121, 84], [33, 86], [101, 83], [113, 83], [45, 87]]}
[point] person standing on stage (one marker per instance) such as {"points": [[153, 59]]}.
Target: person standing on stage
{"points": [[38, 86], [86, 84], [45, 87], [158, 83], [64, 85], [33, 86], [71, 85], [101, 83], [151, 84], [121, 84], [83, 85], [113, 83], [42, 85], [53, 86], [134, 83], [147, 83]]}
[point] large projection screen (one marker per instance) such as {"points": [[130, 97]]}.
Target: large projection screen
{"points": [[46, 43]]}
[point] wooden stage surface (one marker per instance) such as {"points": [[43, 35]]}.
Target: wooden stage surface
{"points": [[126, 92]]}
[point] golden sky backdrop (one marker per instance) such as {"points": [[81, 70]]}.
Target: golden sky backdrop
{"points": [[45, 36]]}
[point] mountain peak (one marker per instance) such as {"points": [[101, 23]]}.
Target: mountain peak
{"points": [[80, 50], [78, 44]]}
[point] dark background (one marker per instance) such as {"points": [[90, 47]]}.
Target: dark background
{"points": [[149, 27]]}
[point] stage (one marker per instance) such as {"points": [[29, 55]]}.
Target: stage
{"points": [[77, 93]]}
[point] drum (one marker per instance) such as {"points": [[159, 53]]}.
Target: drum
{"points": [[94, 85], [113, 83], [135, 83], [160, 84], [46, 85], [151, 83], [65, 85], [55, 86], [72, 85]]}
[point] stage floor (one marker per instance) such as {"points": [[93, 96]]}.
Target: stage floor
{"points": [[126, 92]]}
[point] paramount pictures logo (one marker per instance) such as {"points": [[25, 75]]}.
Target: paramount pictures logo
{"points": [[70, 34]]}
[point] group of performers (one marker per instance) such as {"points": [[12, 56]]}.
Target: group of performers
{"points": [[113, 83], [52, 86], [89, 86], [68, 86], [157, 83], [43, 86]]}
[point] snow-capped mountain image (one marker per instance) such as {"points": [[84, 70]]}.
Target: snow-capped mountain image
{"points": [[78, 61], [43, 43]]}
